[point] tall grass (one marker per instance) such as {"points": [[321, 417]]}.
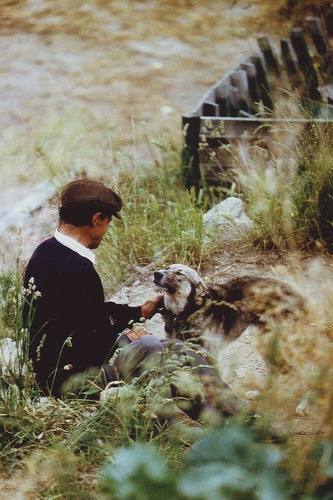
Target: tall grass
{"points": [[313, 187], [16, 380], [161, 221], [289, 190]]}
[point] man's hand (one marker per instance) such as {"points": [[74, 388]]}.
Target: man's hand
{"points": [[135, 333], [151, 306]]}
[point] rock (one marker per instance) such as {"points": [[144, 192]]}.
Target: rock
{"points": [[11, 358], [227, 219], [16, 214]]}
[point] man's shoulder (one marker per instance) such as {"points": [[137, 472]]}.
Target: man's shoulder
{"points": [[51, 249], [48, 245], [53, 265]]}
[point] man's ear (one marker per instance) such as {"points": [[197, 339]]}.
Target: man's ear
{"points": [[97, 218]]}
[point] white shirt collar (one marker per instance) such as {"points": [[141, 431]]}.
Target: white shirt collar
{"points": [[74, 245]]}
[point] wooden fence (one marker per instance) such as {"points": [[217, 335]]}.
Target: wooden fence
{"points": [[266, 97]]}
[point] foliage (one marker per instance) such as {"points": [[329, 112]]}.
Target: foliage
{"points": [[16, 381], [323, 454], [139, 473], [224, 464], [268, 199], [313, 187], [289, 190], [228, 464], [161, 221]]}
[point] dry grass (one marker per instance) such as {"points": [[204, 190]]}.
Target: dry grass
{"points": [[298, 355]]}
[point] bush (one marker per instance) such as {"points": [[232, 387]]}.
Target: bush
{"points": [[313, 188], [225, 464], [289, 191]]}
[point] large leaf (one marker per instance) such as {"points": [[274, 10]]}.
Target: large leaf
{"points": [[138, 473], [229, 464]]}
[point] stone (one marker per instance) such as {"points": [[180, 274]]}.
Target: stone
{"points": [[228, 219]]}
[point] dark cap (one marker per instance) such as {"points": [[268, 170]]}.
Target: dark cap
{"points": [[82, 191]]}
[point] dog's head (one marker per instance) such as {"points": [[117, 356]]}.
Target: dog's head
{"points": [[183, 288]]}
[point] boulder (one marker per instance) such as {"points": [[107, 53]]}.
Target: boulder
{"points": [[228, 219]]}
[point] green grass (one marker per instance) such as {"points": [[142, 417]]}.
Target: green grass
{"points": [[289, 191], [161, 221], [313, 188]]}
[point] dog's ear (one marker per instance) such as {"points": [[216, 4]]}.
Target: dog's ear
{"points": [[201, 293]]}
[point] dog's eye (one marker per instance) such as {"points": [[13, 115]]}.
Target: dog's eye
{"points": [[180, 273]]}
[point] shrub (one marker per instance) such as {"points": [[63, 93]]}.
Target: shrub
{"points": [[313, 187], [224, 464]]}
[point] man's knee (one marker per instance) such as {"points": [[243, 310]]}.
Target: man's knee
{"points": [[138, 356], [148, 343]]}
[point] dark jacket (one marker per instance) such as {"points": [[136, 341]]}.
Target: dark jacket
{"points": [[70, 323]]}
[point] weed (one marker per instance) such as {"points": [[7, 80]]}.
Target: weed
{"points": [[161, 222], [313, 187]]}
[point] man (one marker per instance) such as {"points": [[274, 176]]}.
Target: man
{"points": [[73, 331], [72, 327]]}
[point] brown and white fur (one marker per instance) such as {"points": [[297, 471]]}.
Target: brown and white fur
{"points": [[211, 313]]}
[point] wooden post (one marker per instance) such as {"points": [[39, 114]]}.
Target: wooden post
{"points": [[254, 93], [305, 63], [287, 58], [190, 151], [267, 48], [224, 105], [290, 64], [318, 35], [239, 79], [226, 98], [321, 41], [210, 109], [263, 85], [328, 13]]}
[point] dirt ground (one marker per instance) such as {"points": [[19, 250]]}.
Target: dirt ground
{"points": [[133, 67], [120, 60]]}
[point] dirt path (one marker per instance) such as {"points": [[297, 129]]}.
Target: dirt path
{"points": [[118, 60]]}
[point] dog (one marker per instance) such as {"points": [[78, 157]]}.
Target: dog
{"points": [[212, 314]]}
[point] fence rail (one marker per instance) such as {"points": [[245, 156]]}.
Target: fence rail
{"points": [[249, 102]]}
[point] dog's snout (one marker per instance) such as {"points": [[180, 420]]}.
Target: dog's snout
{"points": [[158, 275]]}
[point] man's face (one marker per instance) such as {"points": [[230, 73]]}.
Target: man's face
{"points": [[97, 230]]}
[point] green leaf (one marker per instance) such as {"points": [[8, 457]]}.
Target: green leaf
{"points": [[138, 473], [229, 464]]}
